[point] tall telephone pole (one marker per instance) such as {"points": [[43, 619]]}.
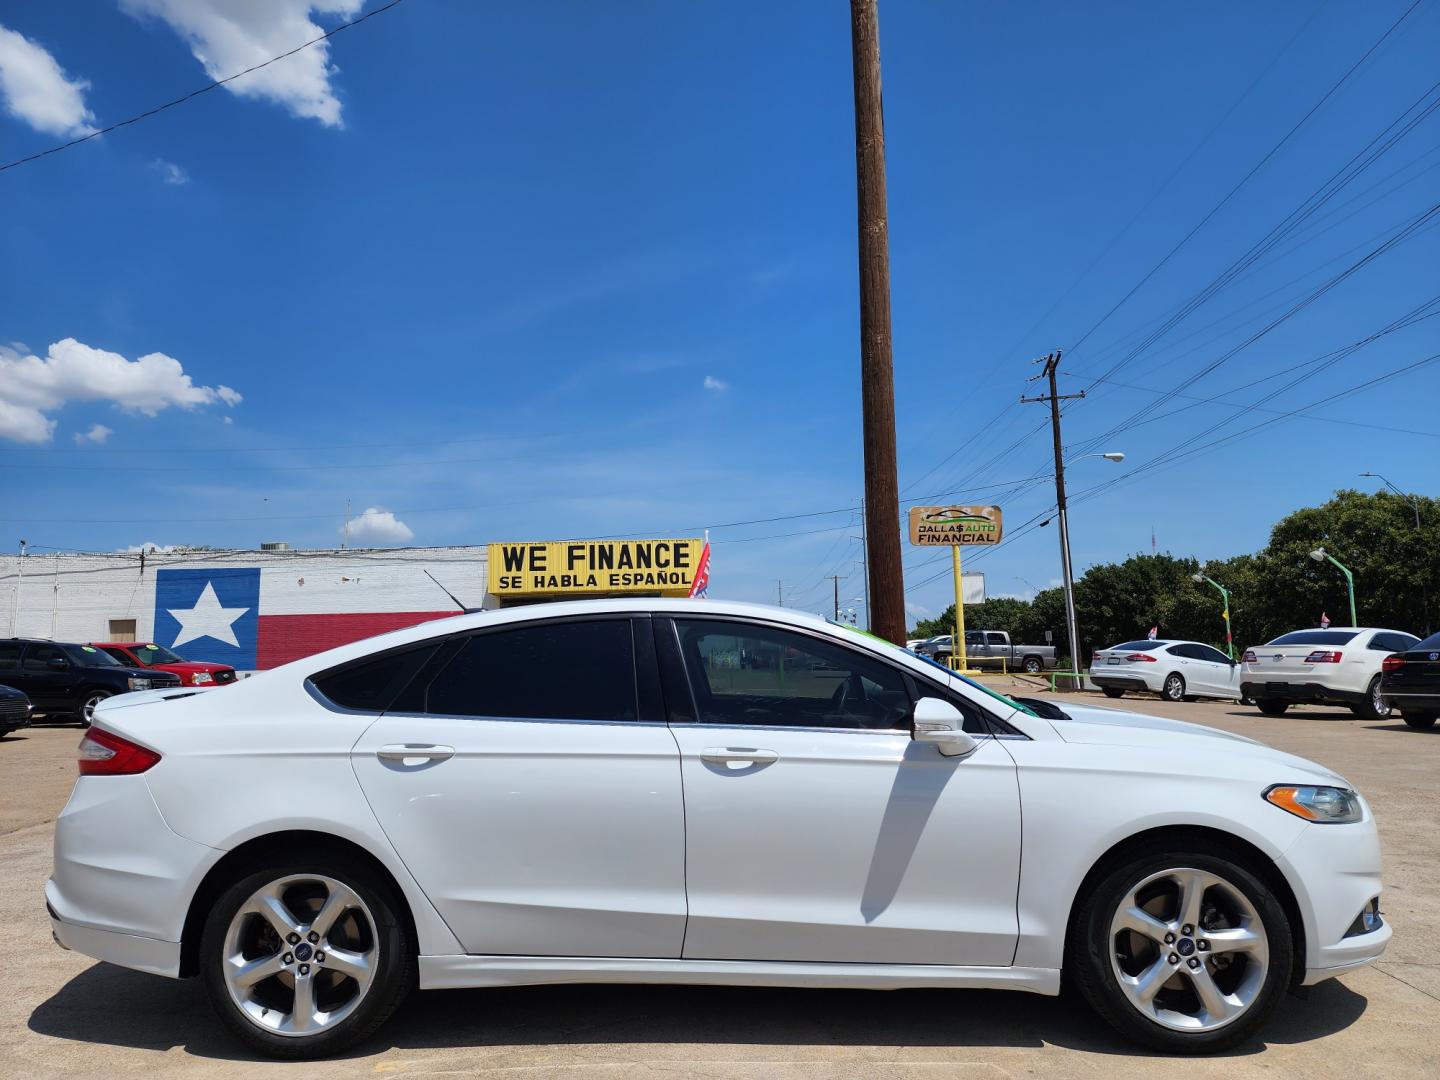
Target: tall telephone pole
{"points": [[1052, 362], [835, 579], [877, 376]]}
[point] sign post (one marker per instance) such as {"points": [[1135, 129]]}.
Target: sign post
{"points": [[956, 527]]}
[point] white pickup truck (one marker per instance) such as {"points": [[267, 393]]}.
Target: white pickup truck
{"points": [[992, 649]]}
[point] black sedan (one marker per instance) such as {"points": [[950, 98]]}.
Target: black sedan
{"points": [[14, 710], [1410, 683]]}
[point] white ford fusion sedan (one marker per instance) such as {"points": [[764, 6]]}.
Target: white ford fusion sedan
{"points": [[695, 792]]}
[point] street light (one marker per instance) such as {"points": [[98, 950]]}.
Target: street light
{"points": [[1415, 506], [1200, 576], [1320, 555]]}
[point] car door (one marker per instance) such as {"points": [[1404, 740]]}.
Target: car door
{"points": [[531, 785], [816, 829], [47, 685], [1225, 672]]}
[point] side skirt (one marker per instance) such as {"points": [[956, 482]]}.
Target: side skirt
{"points": [[456, 972]]}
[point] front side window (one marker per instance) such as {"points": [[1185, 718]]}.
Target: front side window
{"points": [[744, 673], [39, 657], [582, 670]]}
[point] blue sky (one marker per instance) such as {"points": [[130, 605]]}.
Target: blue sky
{"points": [[556, 269]]}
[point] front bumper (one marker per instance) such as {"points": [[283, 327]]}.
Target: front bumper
{"points": [[1335, 872], [1300, 693]]}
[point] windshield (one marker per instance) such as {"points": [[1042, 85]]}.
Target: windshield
{"points": [[152, 654], [1007, 701], [1315, 637], [89, 656]]}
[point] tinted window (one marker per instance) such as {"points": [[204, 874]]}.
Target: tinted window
{"points": [[974, 637], [1432, 642], [90, 656], [121, 656], [1136, 646], [1215, 656], [9, 657], [550, 671], [1315, 637], [995, 639], [742, 673], [1187, 651], [39, 656], [372, 685]]}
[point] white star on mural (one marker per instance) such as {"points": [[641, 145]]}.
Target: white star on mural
{"points": [[207, 619]]}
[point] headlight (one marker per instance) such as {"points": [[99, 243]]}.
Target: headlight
{"points": [[1326, 805], [202, 677], [139, 684]]}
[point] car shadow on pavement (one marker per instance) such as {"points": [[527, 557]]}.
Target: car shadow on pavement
{"points": [[1401, 726], [114, 1006]]}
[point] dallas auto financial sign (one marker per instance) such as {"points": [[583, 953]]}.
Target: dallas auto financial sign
{"points": [[951, 526]]}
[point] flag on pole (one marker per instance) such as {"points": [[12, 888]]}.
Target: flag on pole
{"points": [[1154, 633], [1324, 621], [700, 585]]}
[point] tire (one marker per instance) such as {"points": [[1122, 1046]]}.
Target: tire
{"points": [[1107, 961], [1272, 708], [354, 1000], [88, 701], [1419, 721], [1033, 666], [1374, 707], [1173, 689], [943, 658], [1113, 691]]}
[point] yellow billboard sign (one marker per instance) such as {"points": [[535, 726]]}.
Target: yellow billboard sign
{"points": [[593, 567], [946, 526]]}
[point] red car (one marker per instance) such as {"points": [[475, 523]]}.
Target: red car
{"points": [[147, 654]]}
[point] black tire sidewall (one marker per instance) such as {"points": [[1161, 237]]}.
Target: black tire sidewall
{"points": [[1272, 708], [1114, 692], [1088, 958], [1165, 687], [394, 978], [1419, 721], [1033, 666], [1366, 709]]}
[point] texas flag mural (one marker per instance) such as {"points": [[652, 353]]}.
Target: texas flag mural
{"points": [[254, 618]]}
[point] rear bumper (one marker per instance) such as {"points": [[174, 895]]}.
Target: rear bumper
{"points": [[128, 950], [1303, 693], [1411, 700], [1102, 678]]}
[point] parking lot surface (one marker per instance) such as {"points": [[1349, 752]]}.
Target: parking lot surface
{"points": [[63, 1014]]}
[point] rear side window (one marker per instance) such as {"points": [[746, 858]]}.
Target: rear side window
{"points": [[9, 657], [371, 685], [995, 639], [1315, 637], [550, 671]]}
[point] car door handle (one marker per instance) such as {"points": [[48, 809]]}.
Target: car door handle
{"points": [[722, 754], [415, 751]]}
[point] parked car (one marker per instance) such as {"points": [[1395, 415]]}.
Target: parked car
{"points": [[991, 648], [65, 679], [1176, 670], [932, 646], [311, 850], [147, 654], [1336, 665], [1410, 682], [14, 710]]}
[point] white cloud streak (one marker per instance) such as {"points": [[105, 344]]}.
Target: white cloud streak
{"points": [[170, 172], [98, 433], [717, 385], [36, 89], [228, 36], [379, 527], [32, 387]]}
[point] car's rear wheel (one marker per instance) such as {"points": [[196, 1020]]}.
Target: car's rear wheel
{"points": [[1113, 691], [307, 956], [1272, 708], [1419, 721], [1374, 707], [88, 704], [1032, 665], [1174, 687], [1185, 952]]}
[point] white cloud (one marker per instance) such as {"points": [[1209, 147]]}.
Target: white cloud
{"points": [[378, 526], [98, 433], [31, 387], [228, 37], [170, 172], [37, 90], [718, 385]]}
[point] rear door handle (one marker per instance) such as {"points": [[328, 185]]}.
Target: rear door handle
{"points": [[403, 752], [719, 755]]}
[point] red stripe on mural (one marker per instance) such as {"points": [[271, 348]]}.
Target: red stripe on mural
{"points": [[283, 638]]}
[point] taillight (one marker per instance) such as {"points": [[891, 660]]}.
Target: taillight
{"points": [[1141, 656], [1250, 657], [1323, 656], [1392, 663], [103, 753]]}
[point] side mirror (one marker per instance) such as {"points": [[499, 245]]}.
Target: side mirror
{"points": [[939, 722], [58, 663]]}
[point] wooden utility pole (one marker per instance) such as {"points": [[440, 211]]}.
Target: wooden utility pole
{"points": [[877, 376], [835, 578]]}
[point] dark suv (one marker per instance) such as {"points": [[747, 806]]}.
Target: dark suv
{"points": [[70, 680]]}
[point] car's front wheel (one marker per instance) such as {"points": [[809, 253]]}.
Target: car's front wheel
{"points": [[1185, 952], [308, 956], [88, 704]]}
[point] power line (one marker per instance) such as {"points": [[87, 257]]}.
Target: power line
{"points": [[196, 93]]}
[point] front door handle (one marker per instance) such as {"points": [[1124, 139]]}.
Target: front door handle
{"points": [[406, 752], [720, 755]]}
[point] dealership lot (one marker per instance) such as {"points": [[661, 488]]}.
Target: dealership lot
{"points": [[66, 1015]]}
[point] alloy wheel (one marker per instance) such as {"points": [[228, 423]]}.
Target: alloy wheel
{"points": [[1378, 704], [88, 707], [300, 955], [1189, 950], [1174, 688]]}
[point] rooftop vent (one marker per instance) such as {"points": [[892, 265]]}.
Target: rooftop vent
{"points": [[275, 545]]}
